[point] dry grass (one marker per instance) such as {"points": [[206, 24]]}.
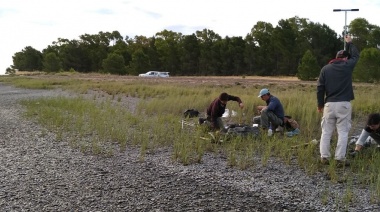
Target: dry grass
{"points": [[29, 73], [191, 80]]}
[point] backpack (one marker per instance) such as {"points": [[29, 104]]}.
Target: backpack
{"points": [[191, 113], [291, 124]]}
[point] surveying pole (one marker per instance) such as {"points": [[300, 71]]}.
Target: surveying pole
{"points": [[345, 23]]}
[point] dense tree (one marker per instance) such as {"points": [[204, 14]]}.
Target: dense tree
{"points": [[375, 37], [285, 43], [121, 48], [96, 49], [139, 63], [51, 62], [29, 59], [73, 56], [365, 34], [154, 59], [115, 37], [168, 50], [209, 59], [361, 30], [308, 69], [232, 56], [266, 50], [189, 55], [250, 55], [10, 71], [139, 47], [114, 64], [368, 67], [262, 33], [138, 43], [143, 54], [323, 42]]}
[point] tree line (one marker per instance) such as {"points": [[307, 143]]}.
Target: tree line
{"points": [[295, 47]]}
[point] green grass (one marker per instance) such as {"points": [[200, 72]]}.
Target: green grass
{"points": [[99, 123]]}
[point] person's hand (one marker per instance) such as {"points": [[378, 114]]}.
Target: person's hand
{"points": [[241, 105], [320, 109], [348, 38]]}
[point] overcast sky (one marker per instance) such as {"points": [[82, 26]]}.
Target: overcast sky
{"points": [[38, 23]]}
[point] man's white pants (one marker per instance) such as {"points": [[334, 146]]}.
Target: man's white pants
{"points": [[335, 114]]}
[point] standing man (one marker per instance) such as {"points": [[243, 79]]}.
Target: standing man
{"points": [[217, 108], [334, 93], [272, 113]]}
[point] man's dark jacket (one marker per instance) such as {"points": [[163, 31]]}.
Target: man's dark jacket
{"points": [[217, 108], [335, 79]]}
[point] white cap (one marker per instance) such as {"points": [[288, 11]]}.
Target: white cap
{"points": [[263, 92]]}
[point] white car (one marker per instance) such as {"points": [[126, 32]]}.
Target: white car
{"points": [[155, 74]]}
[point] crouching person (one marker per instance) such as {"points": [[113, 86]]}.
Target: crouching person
{"points": [[217, 109], [372, 129], [272, 114]]}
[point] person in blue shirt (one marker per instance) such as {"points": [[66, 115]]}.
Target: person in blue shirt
{"points": [[272, 114]]}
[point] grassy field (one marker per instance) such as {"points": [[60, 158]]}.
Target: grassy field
{"points": [[146, 113]]}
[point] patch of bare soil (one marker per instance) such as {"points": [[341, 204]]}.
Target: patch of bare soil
{"points": [[247, 80]]}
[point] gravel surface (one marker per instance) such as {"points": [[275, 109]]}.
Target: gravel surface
{"points": [[38, 173]]}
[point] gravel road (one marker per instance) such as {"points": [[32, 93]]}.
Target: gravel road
{"points": [[38, 173]]}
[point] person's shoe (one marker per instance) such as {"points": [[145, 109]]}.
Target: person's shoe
{"points": [[325, 161], [270, 133], [201, 120], [279, 129], [342, 163], [354, 153], [293, 133], [296, 131]]}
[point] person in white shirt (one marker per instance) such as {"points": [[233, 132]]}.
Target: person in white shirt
{"points": [[371, 129]]}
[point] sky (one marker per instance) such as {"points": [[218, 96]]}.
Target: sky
{"points": [[38, 23]]}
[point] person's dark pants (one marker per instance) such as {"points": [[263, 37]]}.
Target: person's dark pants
{"points": [[375, 137], [266, 118], [219, 124]]}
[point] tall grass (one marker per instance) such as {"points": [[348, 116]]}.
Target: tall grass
{"points": [[90, 123], [96, 124]]}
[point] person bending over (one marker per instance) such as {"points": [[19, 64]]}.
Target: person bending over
{"points": [[217, 109]]}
